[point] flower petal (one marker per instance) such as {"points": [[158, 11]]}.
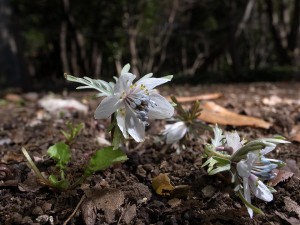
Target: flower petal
{"points": [[267, 149], [151, 82], [162, 108], [243, 169], [121, 122], [175, 132], [108, 106], [233, 140], [261, 190], [124, 82], [125, 68], [247, 195], [135, 127]]}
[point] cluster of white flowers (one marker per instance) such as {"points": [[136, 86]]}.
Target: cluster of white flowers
{"points": [[132, 105], [248, 164]]}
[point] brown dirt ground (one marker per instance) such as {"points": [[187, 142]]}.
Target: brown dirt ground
{"points": [[130, 198]]}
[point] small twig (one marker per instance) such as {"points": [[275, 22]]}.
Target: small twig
{"points": [[75, 210]]}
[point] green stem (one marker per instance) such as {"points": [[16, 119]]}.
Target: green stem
{"points": [[210, 152], [79, 181], [34, 168]]}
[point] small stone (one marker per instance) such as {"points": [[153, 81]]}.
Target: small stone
{"points": [[17, 217], [42, 219], [37, 211], [26, 220], [174, 202], [47, 206], [208, 191]]}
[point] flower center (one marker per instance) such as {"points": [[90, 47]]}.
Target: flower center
{"points": [[140, 103]]}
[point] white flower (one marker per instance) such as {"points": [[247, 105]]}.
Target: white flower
{"points": [[233, 141], [174, 132], [135, 104], [217, 141], [252, 171]]}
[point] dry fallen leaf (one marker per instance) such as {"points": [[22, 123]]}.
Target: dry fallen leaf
{"points": [[216, 114], [290, 220], [295, 133], [291, 165], [88, 212], [107, 199], [198, 97], [291, 206], [282, 175], [162, 185]]}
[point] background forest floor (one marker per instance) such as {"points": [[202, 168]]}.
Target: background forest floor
{"points": [[123, 194]]}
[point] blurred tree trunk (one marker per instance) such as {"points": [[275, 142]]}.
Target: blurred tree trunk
{"points": [[10, 62], [285, 44]]}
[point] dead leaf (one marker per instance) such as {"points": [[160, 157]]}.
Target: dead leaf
{"points": [[12, 157], [216, 114], [282, 175], [291, 205], [290, 220], [13, 97], [107, 199], [291, 165], [88, 211], [161, 184], [174, 202], [198, 97], [30, 184], [129, 214], [295, 133]]}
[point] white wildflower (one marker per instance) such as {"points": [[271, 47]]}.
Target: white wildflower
{"points": [[135, 104]]}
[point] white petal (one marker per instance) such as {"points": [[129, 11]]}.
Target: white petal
{"points": [[267, 149], [243, 169], [162, 108], [233, 140], [247, 195], [125, 69], [175, 132], [134, 126], [261, 191], [150, 82], [121, 122], [124, 82], [251, 158], [108, 106]]}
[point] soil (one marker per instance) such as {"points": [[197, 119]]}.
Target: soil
{"points": [[123, 193]]}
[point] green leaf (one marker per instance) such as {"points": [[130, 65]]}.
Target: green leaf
{"points": [[249, 205], [61, 153], [104, 158], [117, 137], [220, 169], [60, 184]]}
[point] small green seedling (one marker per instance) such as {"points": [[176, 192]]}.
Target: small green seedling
{"points": [[61, 153], [186, 125], [73, 131]]}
